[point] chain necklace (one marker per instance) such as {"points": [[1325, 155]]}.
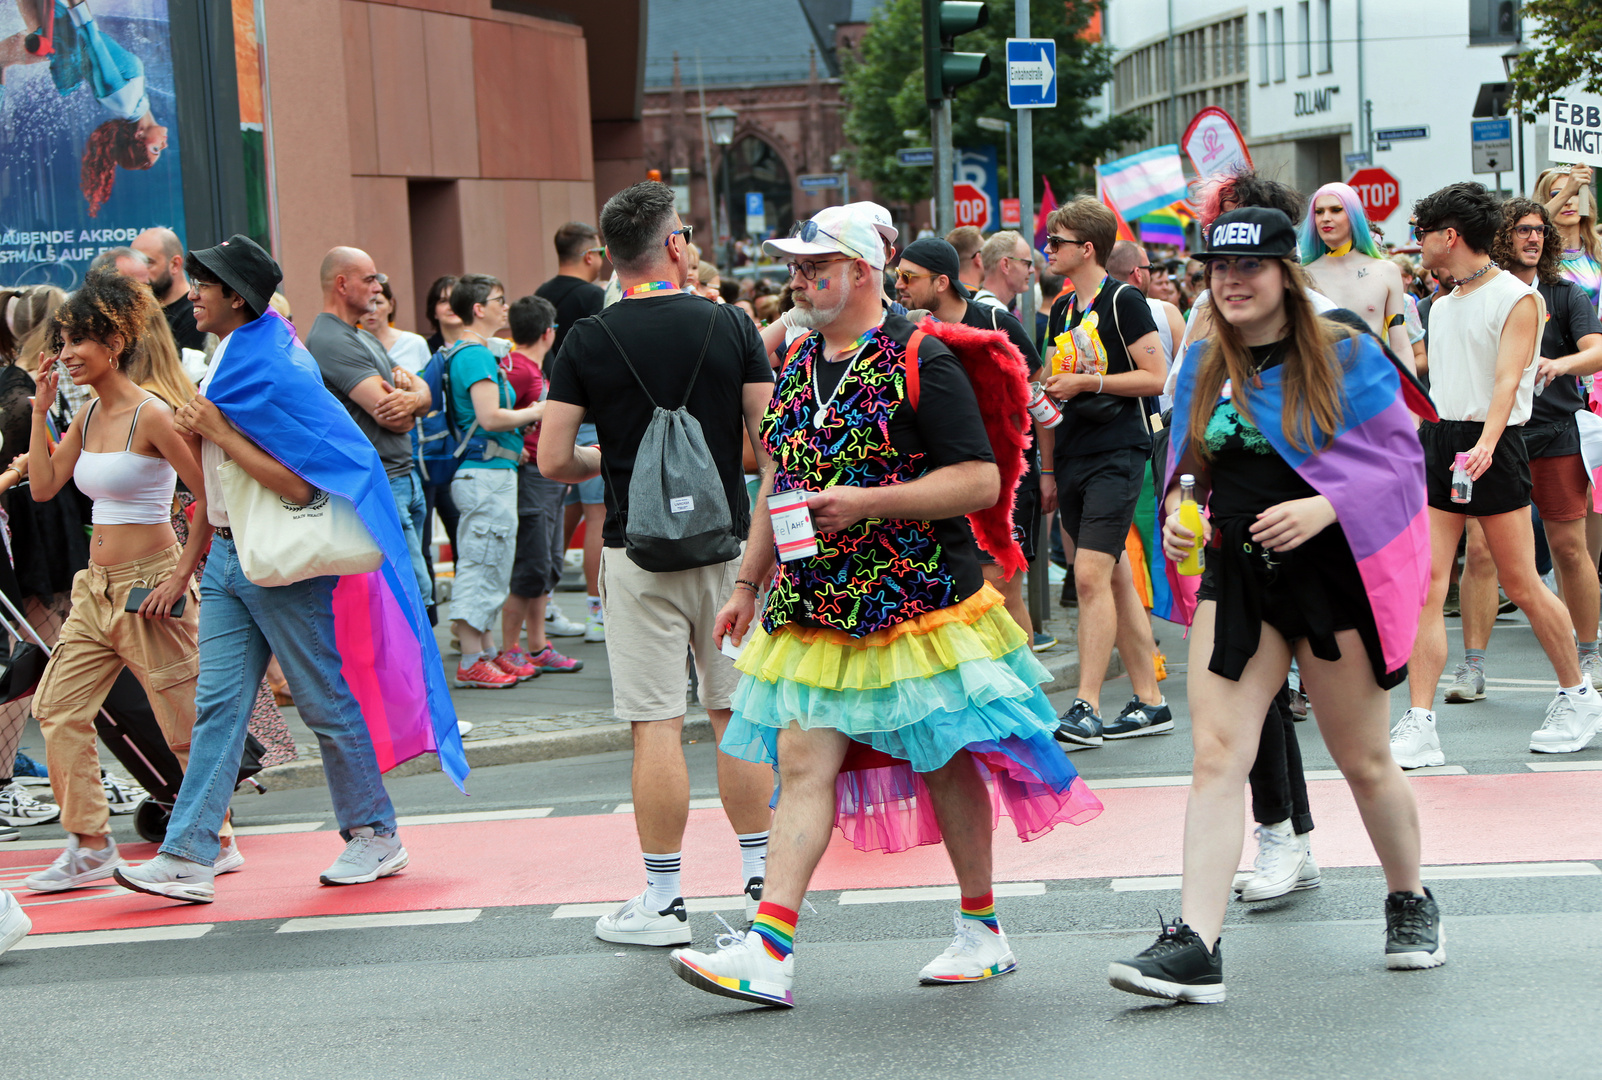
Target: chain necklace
{"points": [[1481, 272]]}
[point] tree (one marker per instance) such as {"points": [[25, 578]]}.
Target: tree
{"points": [[883, 91], [1569, 53]]}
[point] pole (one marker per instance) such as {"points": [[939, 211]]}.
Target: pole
{"points": [[1173, 86], [274, 236], [1518, 118], [1012, 177], [728, 211], [945, 210], [706, 148], [1038, 589]]}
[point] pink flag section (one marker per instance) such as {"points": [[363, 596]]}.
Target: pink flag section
{"points": [[1143, 182], [384, 666]]}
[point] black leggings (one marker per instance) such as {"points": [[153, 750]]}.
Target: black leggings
{"points": [[1279, 786]]}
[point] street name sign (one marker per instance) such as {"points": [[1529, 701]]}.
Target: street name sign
{"points": [[818, 181], [1400, 134], [1493, 145], [920, 155]]}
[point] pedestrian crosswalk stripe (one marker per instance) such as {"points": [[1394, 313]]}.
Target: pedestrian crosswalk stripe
{"points": [[1109, 783], [274, 830], [936, 892], [713, 803], [113, 937], [482, 815], [1466, 872], [698, 903], [382, 918], [1564, 766]]}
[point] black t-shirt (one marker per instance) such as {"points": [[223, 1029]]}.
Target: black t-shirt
{"points": [[181, 317], [1247, 473], [1117, 308], [946, 426], [662, 333], [574, 298], [1569, 318]]}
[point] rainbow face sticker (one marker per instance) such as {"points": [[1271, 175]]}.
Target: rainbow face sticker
{"points": [[823, 284]]}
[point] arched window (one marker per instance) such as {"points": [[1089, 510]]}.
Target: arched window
{"points": [[755, 166]]}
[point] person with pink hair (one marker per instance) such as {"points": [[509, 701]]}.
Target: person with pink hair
{"points": [[1347, 265]]}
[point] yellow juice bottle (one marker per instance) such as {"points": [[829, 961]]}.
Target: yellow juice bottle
{"points": [[1190, 517]]}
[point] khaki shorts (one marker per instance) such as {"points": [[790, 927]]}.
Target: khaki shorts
{"points": [[653, 623]]}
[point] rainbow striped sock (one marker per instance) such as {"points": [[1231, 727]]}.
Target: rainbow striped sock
{"points": [[982, 909], [775, 925]]}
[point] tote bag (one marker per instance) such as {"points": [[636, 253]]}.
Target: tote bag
{"points": [[279, 543]]}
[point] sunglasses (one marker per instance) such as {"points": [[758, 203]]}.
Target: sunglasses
{"points": [[1246, 266], [1053, 242], [685, 231], [809, 231]]}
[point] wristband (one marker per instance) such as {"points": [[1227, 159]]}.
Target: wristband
{"points": [[1101, 380], [753, 586], [1048, 472]]}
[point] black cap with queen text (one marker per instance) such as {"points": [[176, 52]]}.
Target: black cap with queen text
{"points": [[1250, 230]]}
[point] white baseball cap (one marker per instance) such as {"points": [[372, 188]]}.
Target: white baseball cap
{"points": [[837, 230], [881, 218]]}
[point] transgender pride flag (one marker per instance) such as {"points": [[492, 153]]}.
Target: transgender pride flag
{"points": [[1372, 472], [1143, 182]]}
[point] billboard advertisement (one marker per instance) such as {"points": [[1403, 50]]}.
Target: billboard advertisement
{"points": [[88, 134]]}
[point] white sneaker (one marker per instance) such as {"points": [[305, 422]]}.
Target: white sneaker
{"points": [[229, 859], [1414, 741], [1591, 668], [1278, 866], [367, 857], [122, 796], [557, 624], [14, 922], [17, 807], [635, 924], [76, 867], [1309, 878], [1570, 724], [742, 968], [977, 952], [594, 630], [170, 877]]}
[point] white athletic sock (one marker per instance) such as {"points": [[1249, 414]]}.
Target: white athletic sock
{"points": [[753, 855], [662, 880], [595, 608], [1577, 691]]}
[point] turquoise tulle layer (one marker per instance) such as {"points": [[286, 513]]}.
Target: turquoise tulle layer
{"points": [[971, 684]]}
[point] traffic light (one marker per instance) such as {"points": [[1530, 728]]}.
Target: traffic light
{"points": [[945, 69]]}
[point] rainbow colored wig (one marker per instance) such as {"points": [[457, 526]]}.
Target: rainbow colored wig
{"points": [[1313, 246]]}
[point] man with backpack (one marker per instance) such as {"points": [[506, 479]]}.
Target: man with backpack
{"points": [[668, 379]]}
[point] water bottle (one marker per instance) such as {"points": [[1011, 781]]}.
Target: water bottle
{"points": [[1190, 517], [1462, 482]]}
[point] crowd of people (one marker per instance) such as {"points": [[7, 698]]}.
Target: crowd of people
{"points": [[824, 496]]}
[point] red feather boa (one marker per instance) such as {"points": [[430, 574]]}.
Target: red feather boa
{"points": [[1000, 378]]}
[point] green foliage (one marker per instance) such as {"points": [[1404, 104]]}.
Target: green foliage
{"points": [[883, 91], [1569, 53]]}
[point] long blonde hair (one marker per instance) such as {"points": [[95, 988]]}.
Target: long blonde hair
{"points": [[1587, 207], [35, 306], [155, 365], [1313, 382]]}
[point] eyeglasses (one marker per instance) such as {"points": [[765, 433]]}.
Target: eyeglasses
{"points": [[685, 231], [1247, 266], [1524, 232], [376, 279], [809, 231], [808, 271], [491, 299], [1053, 242], [1020, 259]]}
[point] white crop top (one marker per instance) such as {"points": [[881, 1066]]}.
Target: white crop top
{"points": [[127, 488]]}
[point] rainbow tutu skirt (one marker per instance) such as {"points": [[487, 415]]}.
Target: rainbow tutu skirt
{"points": [[910, 697]]}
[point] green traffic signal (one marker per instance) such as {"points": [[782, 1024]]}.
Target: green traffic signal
{"points": [[944, 69]]}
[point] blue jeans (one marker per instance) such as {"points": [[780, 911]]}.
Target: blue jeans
{"points": [[240, 625], [408, 492]]}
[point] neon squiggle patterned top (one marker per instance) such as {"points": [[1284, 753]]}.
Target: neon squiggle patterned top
{"points": [[876, 573]]}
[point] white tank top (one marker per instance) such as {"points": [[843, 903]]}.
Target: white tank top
{"points": [[1465, 335], [127, 488]]}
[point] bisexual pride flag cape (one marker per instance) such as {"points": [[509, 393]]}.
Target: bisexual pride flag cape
{"points": [[271, 389], [1372, 472]]}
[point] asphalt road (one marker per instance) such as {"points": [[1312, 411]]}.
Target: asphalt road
{"points": [[516, 992]]}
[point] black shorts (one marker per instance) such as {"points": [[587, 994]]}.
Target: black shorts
{"points": [[537, 562], [1506, 485], [1096, 497]]}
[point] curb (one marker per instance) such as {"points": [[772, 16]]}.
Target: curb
{"points": [[597, 739]]}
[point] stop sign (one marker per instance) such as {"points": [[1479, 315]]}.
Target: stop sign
{"points": [[1379, 191], [972, 204]]}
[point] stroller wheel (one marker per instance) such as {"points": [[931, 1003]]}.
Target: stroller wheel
{"points": [[150, 820]]}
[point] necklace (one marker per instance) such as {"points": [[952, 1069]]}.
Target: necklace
{"points": [[1344, 249], [649, 287], [817, 394], [1481, 272]]}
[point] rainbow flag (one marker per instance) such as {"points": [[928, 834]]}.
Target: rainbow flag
{"points": [[1165, 226], [1375, 449], [269, 386]]}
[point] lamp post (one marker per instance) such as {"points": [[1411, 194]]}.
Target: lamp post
{"points": [[721, 121], [1509, 59]]}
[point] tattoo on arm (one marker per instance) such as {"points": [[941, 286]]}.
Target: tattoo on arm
{"points": [[1150, 351]]}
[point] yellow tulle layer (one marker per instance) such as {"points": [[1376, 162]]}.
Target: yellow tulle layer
{"points": [[977, 628]]}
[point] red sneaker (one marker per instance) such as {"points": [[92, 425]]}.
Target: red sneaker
{"points": [[516, 663], [549, 660], [484, 675]]}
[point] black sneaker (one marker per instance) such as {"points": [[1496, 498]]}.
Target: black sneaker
{"points": [[1177, 966], [753, 897], [1414, 937], [1070, 592], [1138, 718], [1079, 726]]}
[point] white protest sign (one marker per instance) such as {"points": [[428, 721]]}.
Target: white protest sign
{"points": [[1576, 130]]}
